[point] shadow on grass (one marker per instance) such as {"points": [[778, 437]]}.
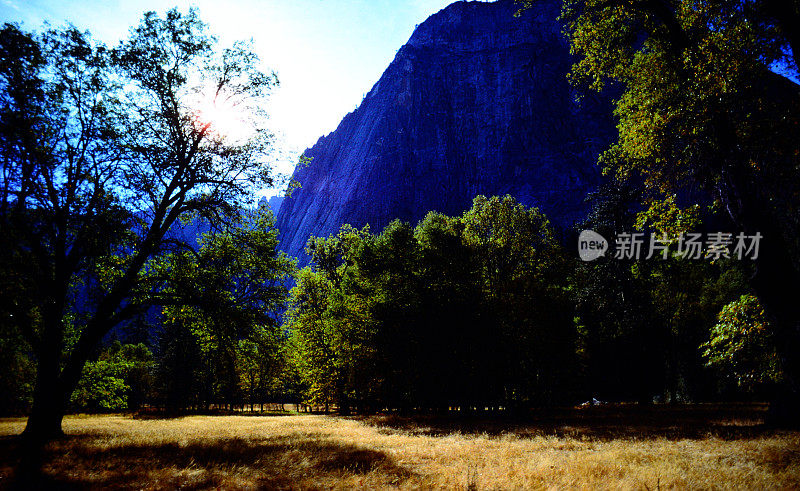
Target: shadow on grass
{"points": [[608, 422], [302, 460]]}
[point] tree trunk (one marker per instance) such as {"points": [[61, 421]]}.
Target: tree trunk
{"points": [[49, 403], [50, 396]]}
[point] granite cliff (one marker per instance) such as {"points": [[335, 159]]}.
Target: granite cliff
{"points": [[476, 102]]}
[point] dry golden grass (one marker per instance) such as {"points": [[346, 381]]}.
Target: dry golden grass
{"points": [[313, 451]]}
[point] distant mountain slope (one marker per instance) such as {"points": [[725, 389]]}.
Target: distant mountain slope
{"points": [[273, 203], [476, 102]]}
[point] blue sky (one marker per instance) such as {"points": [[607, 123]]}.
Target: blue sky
{"points": [[327, 53]]}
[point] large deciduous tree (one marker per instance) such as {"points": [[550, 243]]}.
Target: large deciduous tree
{"points": [[704, 104], [221, 298], [103, 151], [466, 311]]}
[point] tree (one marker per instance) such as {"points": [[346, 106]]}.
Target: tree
{"points": [[224, 297], [331, 324], [620, 342], [527, 316], [466, 311], [701, 110], [103, 152], [742, 345], [119, 379], [312, 342], [180, 369], [263, 365]]}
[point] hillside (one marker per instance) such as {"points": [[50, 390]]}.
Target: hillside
{"points": [[476, 102]]}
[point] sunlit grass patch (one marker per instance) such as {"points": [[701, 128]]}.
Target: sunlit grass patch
{"points": [[315, 451]]}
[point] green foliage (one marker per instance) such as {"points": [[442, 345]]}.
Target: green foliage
{"points": [[510, 240], [668, 219], [742, 345], [261, 364], [332, 333], [463, 311], [119, 379], [220, 303], [702, 115], [101, 388], [640, 322], [698, 100]]}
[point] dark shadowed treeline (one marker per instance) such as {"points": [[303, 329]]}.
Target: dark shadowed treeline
{"points": [[459, 311], [488, 310], [707, 106], [482, 311]]}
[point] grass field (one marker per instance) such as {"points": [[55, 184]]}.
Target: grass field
{"points": [[696, 447]]}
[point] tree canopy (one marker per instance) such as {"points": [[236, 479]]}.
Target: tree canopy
{"points": [[465, 311], [104, 151], [706, 114]]}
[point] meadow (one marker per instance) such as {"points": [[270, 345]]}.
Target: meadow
{"points": [[698, 447]]}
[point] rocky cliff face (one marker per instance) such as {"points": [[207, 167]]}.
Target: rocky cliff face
{"points": [[476, 102], [273, 203]]}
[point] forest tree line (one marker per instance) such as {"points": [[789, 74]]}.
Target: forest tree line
{"points": [[487, 310]]}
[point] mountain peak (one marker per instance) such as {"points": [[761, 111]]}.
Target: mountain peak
{"points": [[477, 102]]}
